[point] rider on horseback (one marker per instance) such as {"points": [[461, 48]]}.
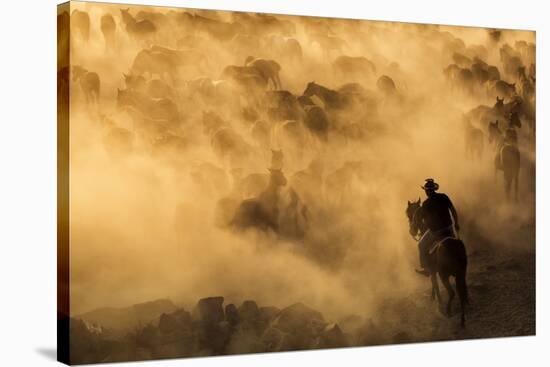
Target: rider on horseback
{"points": [[436, 212]]}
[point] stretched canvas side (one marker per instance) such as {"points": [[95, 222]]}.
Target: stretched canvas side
{"points": [[63, 90]]}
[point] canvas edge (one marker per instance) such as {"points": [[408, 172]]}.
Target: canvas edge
{"points": [[63, 95], [294, 14]]}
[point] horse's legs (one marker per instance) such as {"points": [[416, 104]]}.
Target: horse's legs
{"points": [[445, 281], [435, 287], [507, 186], [278, 81], [516, 186]]}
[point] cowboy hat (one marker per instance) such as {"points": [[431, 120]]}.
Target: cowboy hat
{"points": [[430, 185]]}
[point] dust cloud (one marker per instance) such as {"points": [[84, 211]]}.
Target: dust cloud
{"points": [[154, 195]]}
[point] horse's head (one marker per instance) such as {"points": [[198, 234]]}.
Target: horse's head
{"points": [[248, 60], [123, 98], [133, 81], [125, 13], [386, 85], [311, 89], [414, 224], [277, 177], [499, 103], [277, 154]]}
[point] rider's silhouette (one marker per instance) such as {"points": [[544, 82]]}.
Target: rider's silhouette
{"points": [[436, 213]]}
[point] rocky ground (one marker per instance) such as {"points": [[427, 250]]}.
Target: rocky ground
{"points": [[502, 303]]}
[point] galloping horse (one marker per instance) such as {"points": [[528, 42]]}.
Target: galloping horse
{"points": [[447, 258]]}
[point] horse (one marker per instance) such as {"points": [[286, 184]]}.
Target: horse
{"points": [[460, 79], [508, 160], [248, 78], [154, 108], [138, 30], [154, 63], [226, 143], [81, 23], [89, 82], [331, 98], [317, 122], [514, 120], [495, 135], [261, 212], [328, 44], [282, 105], [268, 69], [500, 88], [350, 68], [511, 60], [474, 142], [447, 258], [108, 29]]}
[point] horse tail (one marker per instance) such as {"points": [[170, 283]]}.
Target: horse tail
{"points": [[462, 290], [461, 286]]}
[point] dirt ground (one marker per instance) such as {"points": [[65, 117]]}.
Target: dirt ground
{"points": [[502, 303]]}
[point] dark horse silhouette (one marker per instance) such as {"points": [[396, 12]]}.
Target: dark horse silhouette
{"points": [[508, 160], [448, 258]]}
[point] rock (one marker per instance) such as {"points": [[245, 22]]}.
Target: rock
{"points": [[84, 345], [249, 318], [244, 341], [298, 317], [209, 325], [126, 319], [301, 324], [176, 328], [272, 339], [332, 337], [175, 321], [249, 311], [211, 338], [148, 337], [148, 311], [167, 323], [267, 315], [232, 314], [209, 310]]}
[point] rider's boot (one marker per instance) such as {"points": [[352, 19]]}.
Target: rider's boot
{"points": [[423, 271], [423, 267]]}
